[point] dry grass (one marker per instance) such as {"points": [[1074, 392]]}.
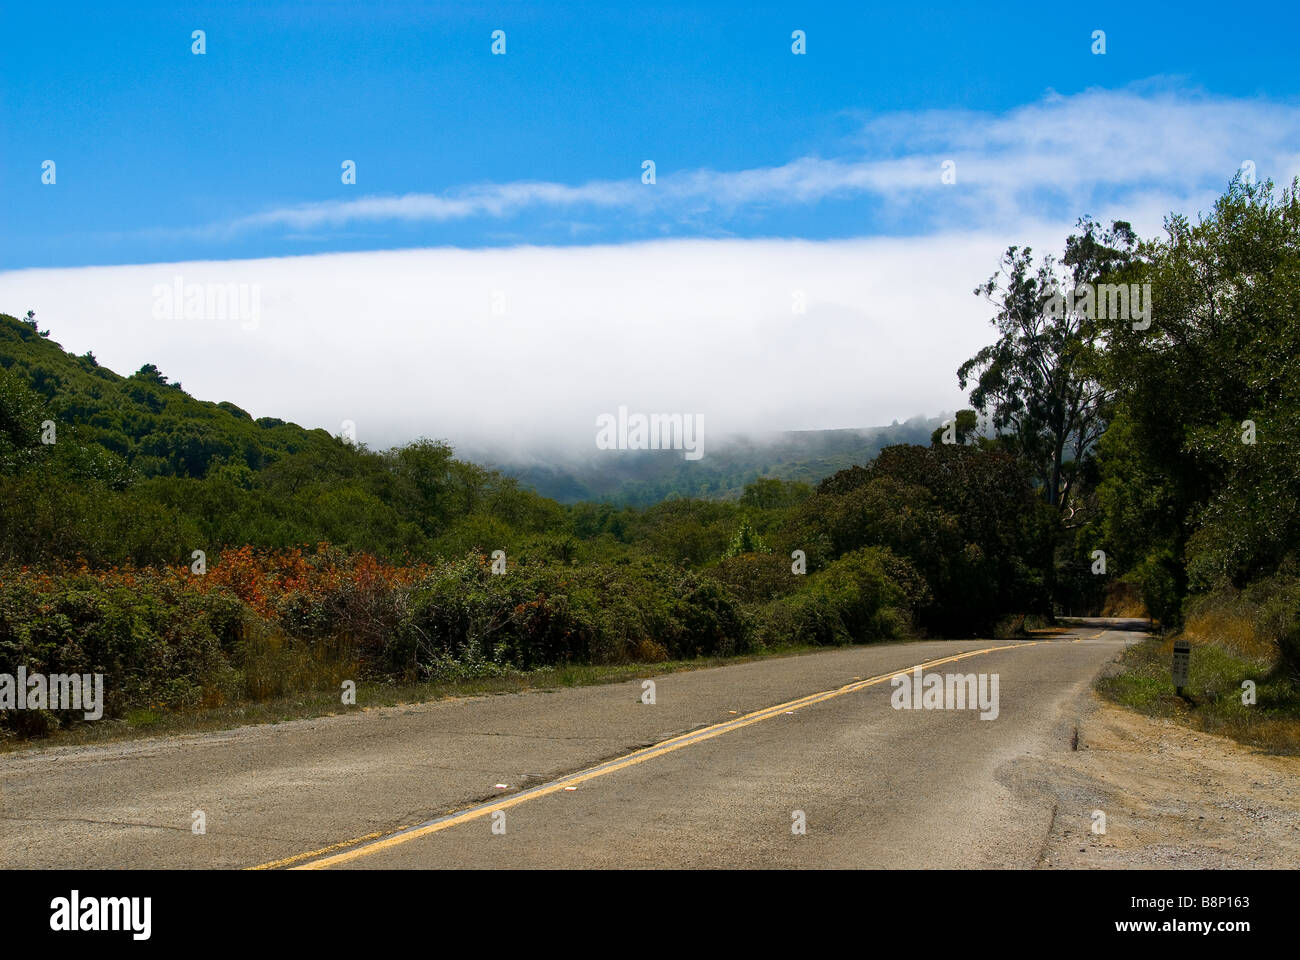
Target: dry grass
{"points": [[1232, 630], [1123, 600], [276, 666]]}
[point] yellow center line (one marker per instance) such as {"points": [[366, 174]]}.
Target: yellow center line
{"points": [[369, 844], [277, 864]]}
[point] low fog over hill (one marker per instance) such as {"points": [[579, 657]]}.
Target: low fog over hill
{"points": [[641, 477]]}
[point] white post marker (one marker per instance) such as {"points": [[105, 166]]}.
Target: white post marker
{"points": [[1182, 661]]}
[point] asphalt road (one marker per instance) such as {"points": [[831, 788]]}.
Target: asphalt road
{"points": [[717, 772]]}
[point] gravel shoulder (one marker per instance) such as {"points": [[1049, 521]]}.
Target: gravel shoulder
{"points": [[1173, 797]]}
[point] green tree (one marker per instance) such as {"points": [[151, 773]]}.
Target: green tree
{"points": [[1038, 381], [745, 541], [1201, 469], [20, 420], [964, 426]]}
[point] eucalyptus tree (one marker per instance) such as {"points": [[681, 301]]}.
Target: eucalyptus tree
{"points": [[1038, 383]]}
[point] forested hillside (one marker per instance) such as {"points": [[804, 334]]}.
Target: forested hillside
{"points": [[142, 470]]}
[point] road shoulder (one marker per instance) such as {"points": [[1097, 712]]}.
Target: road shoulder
{"points": [[1172, 797]]}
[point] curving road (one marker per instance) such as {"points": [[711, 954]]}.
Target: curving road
{"points": [[718, 772]]}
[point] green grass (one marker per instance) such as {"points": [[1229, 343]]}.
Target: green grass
{"points": [[1212, 700]]}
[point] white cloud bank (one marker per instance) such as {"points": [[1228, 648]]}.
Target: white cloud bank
{"points": [[406, 343]]}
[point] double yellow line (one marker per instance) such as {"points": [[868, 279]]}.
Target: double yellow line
{"points": [[375, 842]]}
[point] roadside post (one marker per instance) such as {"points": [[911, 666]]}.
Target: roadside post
{"points": [[1182, 661]]}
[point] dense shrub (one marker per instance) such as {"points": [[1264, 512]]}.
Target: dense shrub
{"points": [[154, 641], [756, 577], [861, 597], [553, 613]]}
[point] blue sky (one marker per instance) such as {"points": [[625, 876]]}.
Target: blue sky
{"points": [[499, 276], [163, 155]]}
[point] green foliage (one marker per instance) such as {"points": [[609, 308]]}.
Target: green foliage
{"points": [[1039, 380], [964, 428], [20, 421], [142, 471], [966, 518], [773, 493], [756, 577], [858, 597], [546, 614], [153, 646], [1186, 504], [746, 540]]}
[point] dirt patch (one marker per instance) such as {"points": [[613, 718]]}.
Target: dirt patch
{"points": [[1172, 797]]}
